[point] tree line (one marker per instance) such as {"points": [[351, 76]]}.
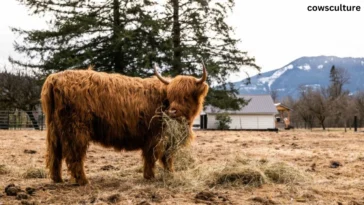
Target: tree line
{"points": [[126, 37], [19, 91], [331, 106], [129, 36]]}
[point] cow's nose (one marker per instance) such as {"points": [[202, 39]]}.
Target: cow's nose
{"points": [[172, 112]]}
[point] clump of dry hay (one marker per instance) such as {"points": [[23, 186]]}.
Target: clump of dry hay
{"points": [[238, 172], [191, 179], [241, 171], [254, 173], [242, 176], [175, 138], [3, 169], [184, 159], [33, 173], [175, 135], [282, 173]]}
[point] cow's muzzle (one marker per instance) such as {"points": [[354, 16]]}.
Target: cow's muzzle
{"points": [[172, 113]]}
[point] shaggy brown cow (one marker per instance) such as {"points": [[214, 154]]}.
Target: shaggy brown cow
{"points": [[115, 111]]}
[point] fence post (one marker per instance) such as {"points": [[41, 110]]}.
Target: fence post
{"points": [[8, 120]]}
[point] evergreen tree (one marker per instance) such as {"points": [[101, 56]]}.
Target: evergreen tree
{"points": [[127, 37], [338, 78], [197, 29], [338, 96], [114, 36]]}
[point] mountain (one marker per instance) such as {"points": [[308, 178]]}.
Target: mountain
{"points": [[306, 71]]}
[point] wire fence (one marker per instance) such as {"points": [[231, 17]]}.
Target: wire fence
{"points": [[35, 120], [19, 119]]}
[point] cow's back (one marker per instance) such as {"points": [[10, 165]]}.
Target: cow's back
{"points": [[116, 110]]}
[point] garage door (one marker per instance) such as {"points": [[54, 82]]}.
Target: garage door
{"points": [[252, 122]]}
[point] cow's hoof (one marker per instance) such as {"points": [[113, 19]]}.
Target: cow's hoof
{"points": [[79, 182], [82, 182], [148, 176], [57, 180]]}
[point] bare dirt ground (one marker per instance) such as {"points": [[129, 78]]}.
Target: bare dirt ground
{"points": [[219, 168]]}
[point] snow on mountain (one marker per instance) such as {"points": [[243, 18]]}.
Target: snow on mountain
{"points": [[269, 80], [304, 71], [304, 67]]}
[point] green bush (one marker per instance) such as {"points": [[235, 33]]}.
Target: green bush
{"points": [[223, 121]]}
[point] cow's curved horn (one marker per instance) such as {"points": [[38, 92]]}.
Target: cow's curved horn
{"points": [[165, 81], [204, 74]]}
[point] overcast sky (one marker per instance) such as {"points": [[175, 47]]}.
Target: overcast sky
{"points": [[274, 32]]}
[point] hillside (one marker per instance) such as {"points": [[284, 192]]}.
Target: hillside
{"points": [[307, 71]]}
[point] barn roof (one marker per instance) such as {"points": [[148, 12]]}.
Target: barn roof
{"points": [[281, 106], [258, 104]]}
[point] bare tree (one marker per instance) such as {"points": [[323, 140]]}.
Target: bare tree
{"points": [[302, 112], [359, 105], [20, 91], [288, 101], [317, 103]]}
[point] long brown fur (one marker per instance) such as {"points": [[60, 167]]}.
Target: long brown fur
{"points": [[83, 106]]}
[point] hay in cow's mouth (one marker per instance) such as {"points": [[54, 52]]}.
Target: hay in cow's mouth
{"points": [[175, 134]]}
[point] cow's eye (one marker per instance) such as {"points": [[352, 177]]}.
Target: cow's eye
{"points": [[166, 103]]}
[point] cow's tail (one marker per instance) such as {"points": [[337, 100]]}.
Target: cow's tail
{"points": [[54, 145]]}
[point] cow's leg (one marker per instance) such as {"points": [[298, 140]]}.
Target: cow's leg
{"points": [[75, 154], [167, 161], [150, 155], [54, 155]]}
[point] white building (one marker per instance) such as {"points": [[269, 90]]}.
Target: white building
{"points": [[259, 114]]}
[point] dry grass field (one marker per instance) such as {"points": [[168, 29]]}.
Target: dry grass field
{"points": [[289, 167]]}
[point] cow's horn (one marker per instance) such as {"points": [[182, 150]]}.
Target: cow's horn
{"points": [[204, 74], [165, 81]]}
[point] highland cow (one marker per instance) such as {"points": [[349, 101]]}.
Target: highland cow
{"points": [[83, 106]]}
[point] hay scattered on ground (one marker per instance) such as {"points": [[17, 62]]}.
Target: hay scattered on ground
{"points": [[184, 159], [192, 179], [239, 172], [282, 173], [4, 169], [33, 173], [243, 176], [215, 153], [254, 173]]}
